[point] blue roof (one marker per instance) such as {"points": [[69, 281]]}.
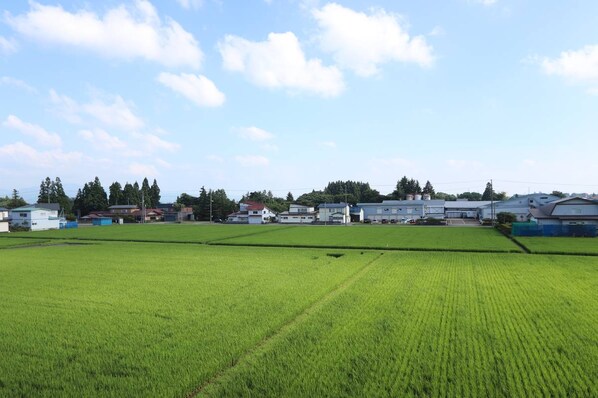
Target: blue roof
{"points": [[332, 205]]}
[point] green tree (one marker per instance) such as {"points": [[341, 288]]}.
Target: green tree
{"points": [[14, 201], [290, 198], [60, 197], [145, 194], [45, 189], [116, 194], [155, 193], [445, 196], [473, 196], [489, 193], [558, 194], [506, 217], [429, 189]]}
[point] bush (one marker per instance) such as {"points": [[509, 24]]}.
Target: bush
{"points": [[506, 218]]}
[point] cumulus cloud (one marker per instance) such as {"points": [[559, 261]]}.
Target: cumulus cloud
{"points": [[279, 62], [196, 88], [20, 84], [101, 139], [484, 2], [142, 170], [112, 111], [151, 143], [41, 135], [579, 66], [7, 46], [187, 4], [328, 144], [255, 134], [21, 153], [121, 33], [252, 161], [362, 42]]}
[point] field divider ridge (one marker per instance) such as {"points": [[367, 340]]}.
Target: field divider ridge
{"points": [[209, 242], [287, 326]]}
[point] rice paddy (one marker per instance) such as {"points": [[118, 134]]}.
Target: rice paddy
{"points": [[113, 318]]}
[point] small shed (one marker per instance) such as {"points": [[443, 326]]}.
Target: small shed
{"points": [[102, 221]]}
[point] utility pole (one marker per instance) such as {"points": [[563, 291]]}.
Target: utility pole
{"points": [[142, 207], [211, 219], [492, 202], [346, 204]]}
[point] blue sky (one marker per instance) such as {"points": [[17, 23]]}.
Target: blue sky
{"points": [[286, 95]]}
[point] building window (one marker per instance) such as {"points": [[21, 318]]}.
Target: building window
{"points": [[24, 215]]}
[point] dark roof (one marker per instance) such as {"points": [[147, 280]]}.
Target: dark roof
{"points": [[47, 206], [332, 205], [116, 207]]}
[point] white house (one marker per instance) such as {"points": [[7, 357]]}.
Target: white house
{"points": [[3, 219], [37, 219], [298, 214], [252, 213], [336, 213], [568, 211]]}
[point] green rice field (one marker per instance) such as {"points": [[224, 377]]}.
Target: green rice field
{"points": [[83, 315], [560, 245], [373, 237]]}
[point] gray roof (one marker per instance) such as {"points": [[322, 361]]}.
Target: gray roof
{"points": [[48, 206], [123, 207], [332, 205], [450, 204], [435, 202]]}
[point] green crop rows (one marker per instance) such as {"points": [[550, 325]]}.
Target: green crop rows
{"points": [[95, 317], [560, 245]]}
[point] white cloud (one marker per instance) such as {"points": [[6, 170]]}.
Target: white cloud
{"points": [[142, 170], [461, 164], [151, 143], [484, 2], [279, 62], [198, 89], [7, 46], [42, 136], [252, 161], [21, 153], [437, 31], [579, 66], [11, 81], [362, 42], [101, 139], [122, 33], [255, 134], [116, 113], [328, 144], [187, 4], [215, 158]]}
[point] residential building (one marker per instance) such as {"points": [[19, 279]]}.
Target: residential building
{"points": [[335, 213], [251, 212], [567, 211], [34, 218], [298, 214], [519, 205], [4, 220]]}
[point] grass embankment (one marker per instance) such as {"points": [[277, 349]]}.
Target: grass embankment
{"points": [[126, 319], [555, 245], [462, 325]]}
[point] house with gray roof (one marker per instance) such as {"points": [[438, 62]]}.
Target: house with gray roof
{"points": [[520, 205], [567, 211], [34, 218]]}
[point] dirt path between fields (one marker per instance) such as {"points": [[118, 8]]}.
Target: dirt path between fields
{"points": [[267, 341]]}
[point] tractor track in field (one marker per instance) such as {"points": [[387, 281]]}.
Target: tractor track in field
{"points": [[285, 327]]}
